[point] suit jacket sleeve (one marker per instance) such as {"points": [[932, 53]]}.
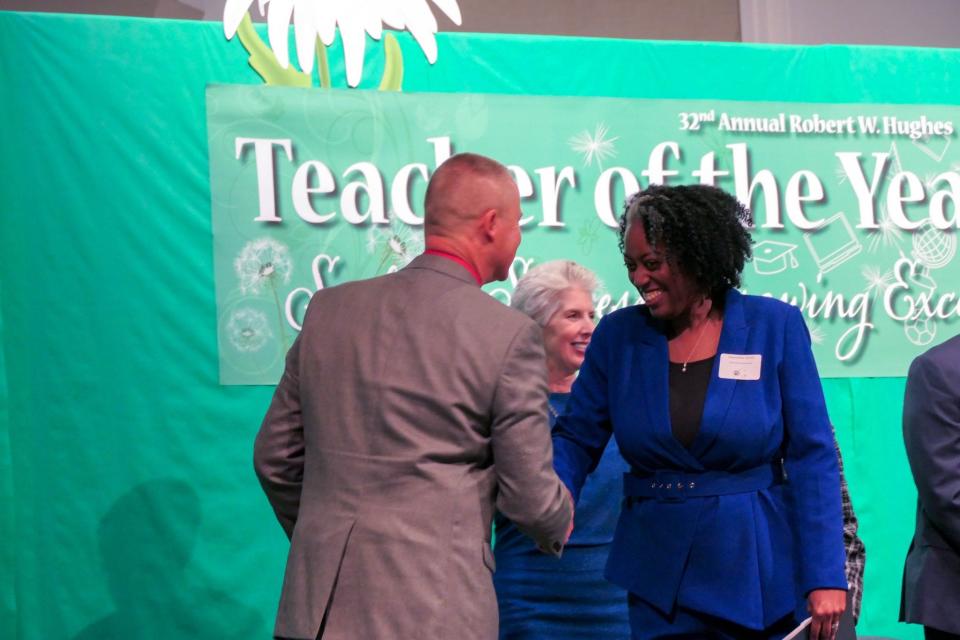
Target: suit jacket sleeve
{"points": [[931, 433], [529, 491], [279, 447], [810, 459], [581, 434]]}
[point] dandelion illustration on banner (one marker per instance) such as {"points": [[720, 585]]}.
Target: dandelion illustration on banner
{"points": [[261, 263], [247, 330]]}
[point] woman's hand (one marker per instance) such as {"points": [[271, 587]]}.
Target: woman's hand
{"points": [[825, 606]]}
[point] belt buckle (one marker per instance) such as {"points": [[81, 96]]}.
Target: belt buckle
{"points": [[670, 486]]}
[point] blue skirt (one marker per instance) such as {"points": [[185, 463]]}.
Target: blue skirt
{"points": [[541, 597]]}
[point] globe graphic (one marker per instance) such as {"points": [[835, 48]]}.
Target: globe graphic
{"points": [[934, 247]]}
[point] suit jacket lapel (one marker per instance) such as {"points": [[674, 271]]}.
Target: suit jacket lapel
{"points": [[733, 339], [651, 365]]}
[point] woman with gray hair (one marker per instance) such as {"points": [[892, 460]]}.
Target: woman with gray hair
{"points": [[540, 596]]}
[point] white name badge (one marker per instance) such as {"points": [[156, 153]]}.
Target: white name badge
{"points": [[734, 366]]}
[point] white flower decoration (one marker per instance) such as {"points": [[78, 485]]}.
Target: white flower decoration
{"points": [[261, 261], [247, 330], [355, 19]]}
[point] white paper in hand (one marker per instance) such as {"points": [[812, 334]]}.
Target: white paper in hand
{"points": [[800, 632]]}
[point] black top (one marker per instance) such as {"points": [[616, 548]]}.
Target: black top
{"points": [[688, 393]]}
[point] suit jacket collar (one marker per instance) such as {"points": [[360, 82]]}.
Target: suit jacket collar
{"points": [[733, 310], [442, 265]]}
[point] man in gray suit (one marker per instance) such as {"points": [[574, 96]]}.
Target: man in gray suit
{"points": [[931, 432], [413, 405]]}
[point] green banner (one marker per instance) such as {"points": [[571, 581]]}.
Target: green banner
{"points": [[125, 452], [854, 205]]}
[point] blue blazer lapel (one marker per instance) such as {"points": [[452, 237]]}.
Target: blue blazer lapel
{"points": [[733, 339], [651, 362]]}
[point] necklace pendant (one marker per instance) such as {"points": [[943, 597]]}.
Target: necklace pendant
{"points": [[683, 369]]}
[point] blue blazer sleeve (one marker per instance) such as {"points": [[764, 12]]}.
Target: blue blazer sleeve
{"points": [[582, 432], [810, 462]]}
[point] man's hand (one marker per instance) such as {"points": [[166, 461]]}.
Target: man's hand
{"points": [[825, 606], [569, 529]]}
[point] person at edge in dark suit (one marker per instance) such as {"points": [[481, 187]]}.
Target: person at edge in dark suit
{"points": [[541, 597], [931, 432], [411, 407], [707, 390]]}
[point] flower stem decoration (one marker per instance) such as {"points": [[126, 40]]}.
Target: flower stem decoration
{"points": [[265, 63]]}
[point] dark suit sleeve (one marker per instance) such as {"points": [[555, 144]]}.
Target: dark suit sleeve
{"points": [[810, 459], [279, 447], [529, 492], [582, 432], [931, 433]]}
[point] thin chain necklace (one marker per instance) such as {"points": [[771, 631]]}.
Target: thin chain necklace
{"points": [[696, 344]]}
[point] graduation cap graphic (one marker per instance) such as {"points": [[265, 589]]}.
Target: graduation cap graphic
{"points": [[771, 257]]}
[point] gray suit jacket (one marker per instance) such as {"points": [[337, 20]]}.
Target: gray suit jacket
{"points": [[931, 432], [412, 405]]}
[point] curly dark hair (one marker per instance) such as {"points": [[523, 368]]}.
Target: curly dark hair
{"points": [[702, 230]]}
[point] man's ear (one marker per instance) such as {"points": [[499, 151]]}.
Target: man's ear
{"points": [[489, 224]]}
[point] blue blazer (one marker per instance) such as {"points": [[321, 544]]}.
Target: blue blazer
{"points": [[751, 557]]}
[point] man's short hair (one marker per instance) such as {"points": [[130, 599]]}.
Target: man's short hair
{"points": [[447, 176]]}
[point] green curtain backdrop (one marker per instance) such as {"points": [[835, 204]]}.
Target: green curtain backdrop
{"points": [[128, 506]]}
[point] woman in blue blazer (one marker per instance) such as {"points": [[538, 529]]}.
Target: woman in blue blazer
{"points": [[731, 524]]}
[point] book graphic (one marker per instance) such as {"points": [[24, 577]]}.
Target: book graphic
{"points": [[832, 244]]}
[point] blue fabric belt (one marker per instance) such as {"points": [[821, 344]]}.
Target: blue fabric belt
{"points": [[677, 486]]}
